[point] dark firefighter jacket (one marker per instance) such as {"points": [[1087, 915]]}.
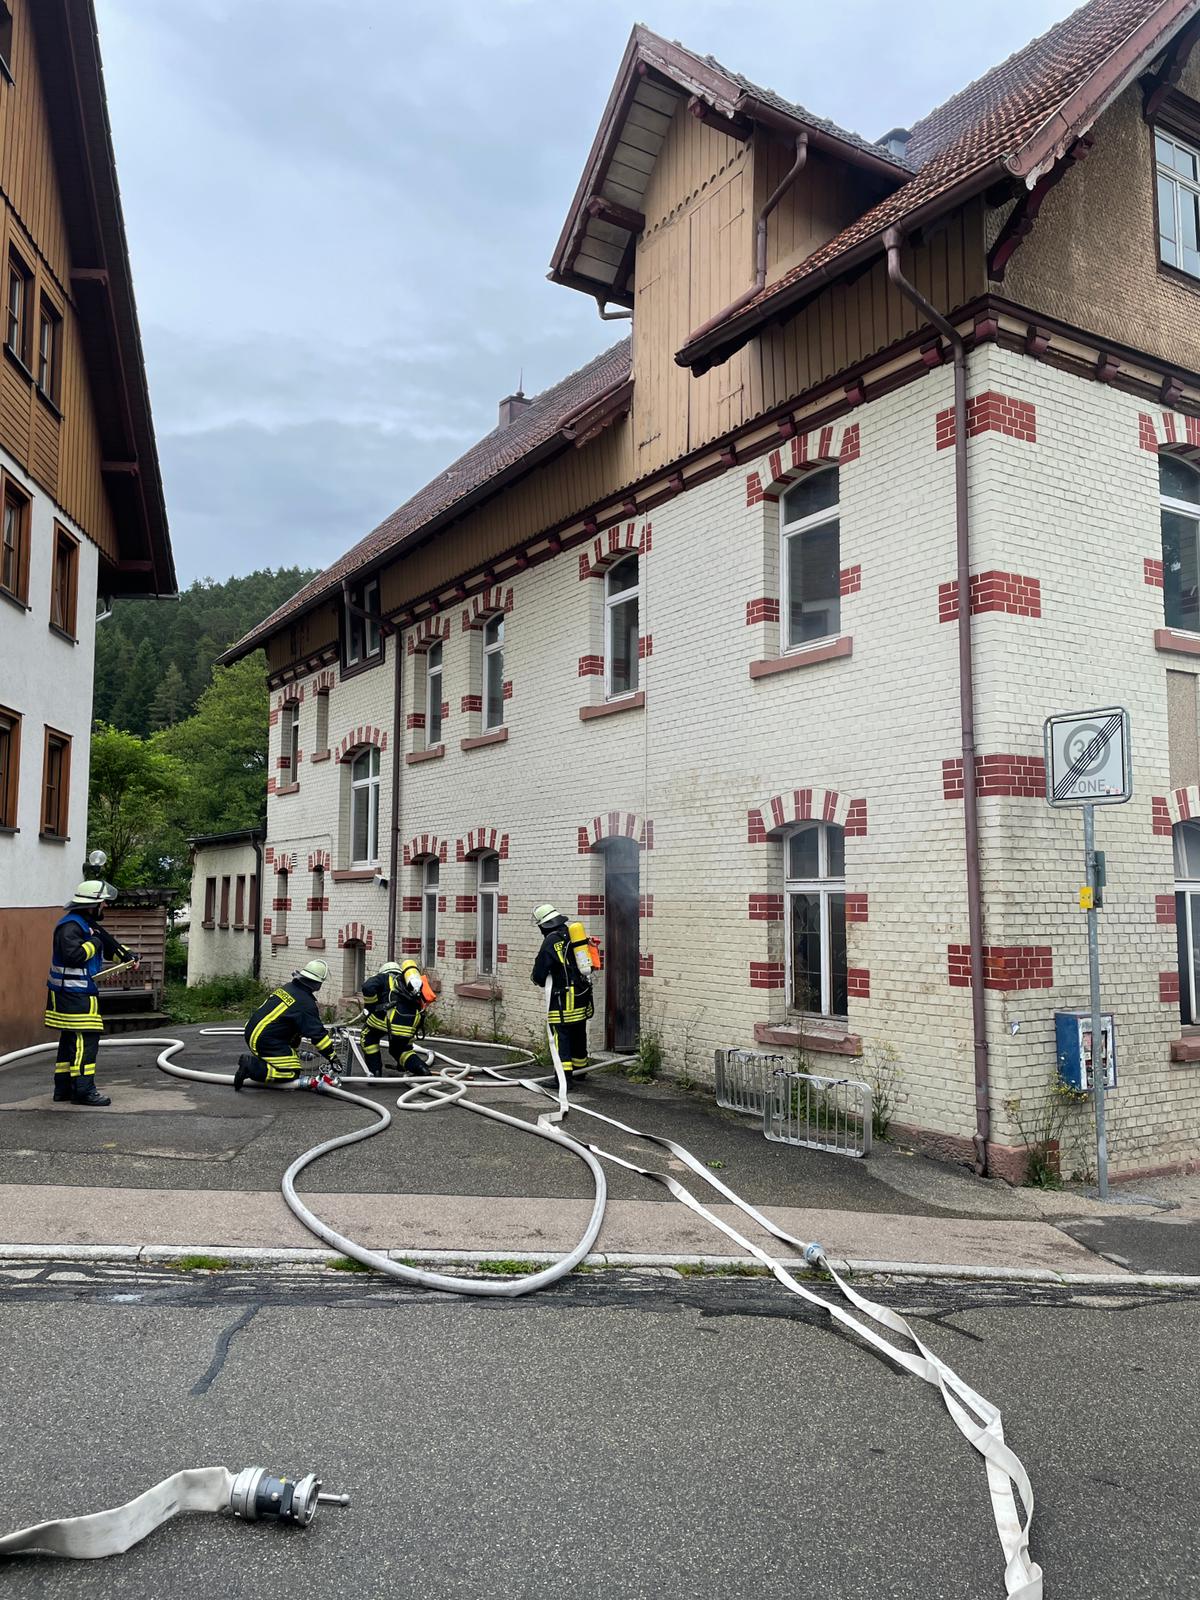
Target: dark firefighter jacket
{"points": [[570, 992], [286, 1016], [81, 947], [387, 995]]}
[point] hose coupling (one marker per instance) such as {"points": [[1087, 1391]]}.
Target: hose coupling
{"points": [[814, 1254], [257, 1494]]}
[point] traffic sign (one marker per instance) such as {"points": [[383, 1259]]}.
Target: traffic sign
{"points": [[1087, 758]]}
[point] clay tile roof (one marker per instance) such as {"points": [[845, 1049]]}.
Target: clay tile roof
{"points": [[494, 455], [988, 126]]}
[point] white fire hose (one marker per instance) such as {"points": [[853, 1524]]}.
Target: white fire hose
{"points": [[977, 1419]]}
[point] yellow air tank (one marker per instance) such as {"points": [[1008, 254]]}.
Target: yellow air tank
{"points": [[587, 951]]}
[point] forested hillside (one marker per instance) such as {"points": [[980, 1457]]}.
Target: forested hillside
{"points": [[154, 658]]}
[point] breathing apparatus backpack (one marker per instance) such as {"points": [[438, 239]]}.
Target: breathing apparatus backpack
{"points": [[586, 951]]}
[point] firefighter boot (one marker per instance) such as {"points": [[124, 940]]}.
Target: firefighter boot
{"points": [[85, 1093]]}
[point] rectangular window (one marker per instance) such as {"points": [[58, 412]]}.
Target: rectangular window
{"points": [[49, 349], [14, 543], [64, 584], [316, 925], [815, 892], [289, 754], [810, 561], [10, 766], [20, 293], [321, 737], [493, 674], [621, 591], [210, 902], [223, 920], [56, 784], [362, 639], [488, 915], [239, 902], [280, 908], [430, 880], [1177, 171], [364, 808], [433, 696], [252, 916]]}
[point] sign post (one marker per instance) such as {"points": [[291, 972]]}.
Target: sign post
{"points": [[1088, 764]]}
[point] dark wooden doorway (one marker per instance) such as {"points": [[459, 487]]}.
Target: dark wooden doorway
{"points": [[622, 881]]}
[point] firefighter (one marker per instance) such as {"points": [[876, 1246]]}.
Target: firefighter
{"points": [[570, 992], [81, 947], [286, 1016], [395, 999]]}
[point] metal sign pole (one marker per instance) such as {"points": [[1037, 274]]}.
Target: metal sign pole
{"points": [[1099, 1064]]}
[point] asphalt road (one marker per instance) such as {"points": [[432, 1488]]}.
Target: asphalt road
{"points": [[618, 1436]]}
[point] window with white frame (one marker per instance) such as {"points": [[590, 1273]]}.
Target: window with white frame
{"points": [[1177, 170], [493, 674], [280, 926], [1186, 838], [1179, 499], [621, 592], [430, 883], [321, 737], [487, 937], [362, 639], [433, 696], [289, 723], [316, 924], [364, 808], [815, 919], [810, 561]]}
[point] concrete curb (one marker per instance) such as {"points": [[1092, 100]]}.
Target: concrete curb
{"points": [[254, 1256]]}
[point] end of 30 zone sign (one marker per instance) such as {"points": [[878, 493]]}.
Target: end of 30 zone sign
{"points": [[1088, 758]]}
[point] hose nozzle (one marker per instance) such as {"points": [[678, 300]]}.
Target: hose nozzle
{"points": [[256, 1494]]}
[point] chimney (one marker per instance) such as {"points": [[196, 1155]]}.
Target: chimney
{"points": [[895, 141], [511, 407]]}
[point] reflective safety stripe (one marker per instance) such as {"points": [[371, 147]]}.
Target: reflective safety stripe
{"points": [[89, 947], [281, 1067], [285, 1001], [57, 971], [323, 1043], [73, 1021], [380, 1024]]}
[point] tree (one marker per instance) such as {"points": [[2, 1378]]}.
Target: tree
{"points": [[222, 750], [132, 789], [132, 708], [170, 699]]}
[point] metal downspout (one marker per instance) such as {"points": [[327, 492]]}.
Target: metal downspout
{"points": [[760, 244], [966, 693], [397, 769], [258, 879]]}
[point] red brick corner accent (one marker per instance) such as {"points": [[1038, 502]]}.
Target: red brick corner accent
{"points": [[858, 983], [1152, 572], [766, 975], [1164, 909], [764, 609], [356, 931], [1012, 592], [991, 412], [856, 908], [1168, 988], [765, 908], [1160, 817], [1007, 967], [591, 666], [850, 580], [645, 965], [1023, 777]]}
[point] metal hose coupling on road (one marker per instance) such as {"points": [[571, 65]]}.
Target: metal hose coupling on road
{"points": [[977, 1419], [250, 1495]]}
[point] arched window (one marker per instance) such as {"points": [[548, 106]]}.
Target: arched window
{"points": [[488, 889], [279, 926], [815, 896], [493, 674], [430, 882], [810, 560], [1186, 837], [1179, 497], [354, 966], [433, 696], [621, 591], [316, 905], [364, 808]]}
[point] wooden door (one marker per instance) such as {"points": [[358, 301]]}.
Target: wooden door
{"points": [[621, 968]]}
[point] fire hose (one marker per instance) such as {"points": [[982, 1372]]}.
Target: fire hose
{"points": [[977, 1418]]}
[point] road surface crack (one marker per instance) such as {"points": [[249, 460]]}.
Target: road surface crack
{"points": [[204, 1384]]}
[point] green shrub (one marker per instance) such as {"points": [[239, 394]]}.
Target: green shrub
{"points": [[175, 959], [230, 995]]}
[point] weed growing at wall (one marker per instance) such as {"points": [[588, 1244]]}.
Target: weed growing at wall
{"points": [[1042, 1122], [885, 1076]]}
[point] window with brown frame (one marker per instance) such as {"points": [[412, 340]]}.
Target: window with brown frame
{"points": [[223, 921], [20, 294], [14, 543], [6, 25], [65, 582], [49, 349], [239, 902], [56, 784], [10, 766], [210, 902]]}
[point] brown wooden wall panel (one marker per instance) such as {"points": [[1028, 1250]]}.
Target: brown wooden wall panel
{"points": [[14, 412], [47, 432]]}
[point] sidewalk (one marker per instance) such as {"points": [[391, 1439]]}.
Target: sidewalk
{"points": [[197, 1167]]}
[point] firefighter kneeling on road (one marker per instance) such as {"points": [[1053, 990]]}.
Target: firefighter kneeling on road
{"points": [[395, 999], [570, 990], [81, 947], [286, 1016]]}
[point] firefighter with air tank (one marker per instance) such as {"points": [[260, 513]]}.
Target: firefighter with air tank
{"points": [[566, 961], [395, 1000]]}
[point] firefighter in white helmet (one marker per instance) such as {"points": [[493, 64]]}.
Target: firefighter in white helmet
{"points": [[570, 990], [395, 999], [81, 947], [274, 1031]]}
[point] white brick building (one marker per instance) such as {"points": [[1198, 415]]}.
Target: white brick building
{"points": [[677, 646]]}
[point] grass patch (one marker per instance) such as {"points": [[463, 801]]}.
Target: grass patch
{"points": [[216, 1000], [730, 1269], [347, 1264], [505, 1269], [199, 1264]]}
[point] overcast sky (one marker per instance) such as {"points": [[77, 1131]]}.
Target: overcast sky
{"points": [[341, 214]]}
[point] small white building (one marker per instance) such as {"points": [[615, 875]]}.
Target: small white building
{"points": [[223, 938]]}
